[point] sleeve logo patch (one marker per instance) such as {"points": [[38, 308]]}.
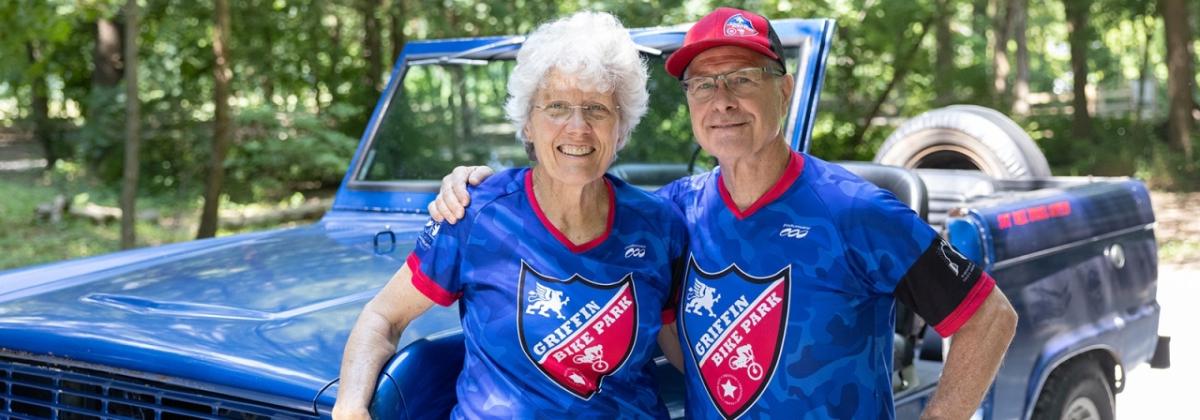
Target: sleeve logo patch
{"points": [[425, 239], [956, 262]]}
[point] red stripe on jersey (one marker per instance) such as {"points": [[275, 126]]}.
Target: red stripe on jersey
{"points": [[966, 308], [668, 316], [580, 248], [427, 286], [794, 167]]}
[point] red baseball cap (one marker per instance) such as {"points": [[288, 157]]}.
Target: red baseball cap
{"points": [[727, 26]]}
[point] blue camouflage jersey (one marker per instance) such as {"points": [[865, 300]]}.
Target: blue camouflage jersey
{"points": [[787, 308], [552, 328]]}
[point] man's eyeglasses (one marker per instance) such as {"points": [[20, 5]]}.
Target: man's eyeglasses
{"points": [[560, 111], [742, 82]]}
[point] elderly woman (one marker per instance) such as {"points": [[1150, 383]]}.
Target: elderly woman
{"points": [[563, 272]]}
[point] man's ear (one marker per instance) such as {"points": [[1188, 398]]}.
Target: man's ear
{"points": [[789, 85]]}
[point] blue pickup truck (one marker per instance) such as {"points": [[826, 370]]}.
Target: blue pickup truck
{"points": [[252, 326]]}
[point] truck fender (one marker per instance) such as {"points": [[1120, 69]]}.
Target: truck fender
{"points": [[1110, 364]]}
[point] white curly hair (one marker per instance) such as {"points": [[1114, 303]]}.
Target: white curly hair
{"points": [[593, 48]]}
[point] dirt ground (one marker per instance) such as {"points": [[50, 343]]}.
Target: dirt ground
{"points": [[20, 157], [1178, 229]]}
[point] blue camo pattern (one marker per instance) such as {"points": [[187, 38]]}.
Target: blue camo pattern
{"points": [[857, 244], [481, 257]]}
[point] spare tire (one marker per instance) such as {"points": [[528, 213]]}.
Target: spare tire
{"points": [[965, 137]]}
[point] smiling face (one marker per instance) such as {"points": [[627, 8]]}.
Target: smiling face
{"points": [[576, 149], [732, 127]]}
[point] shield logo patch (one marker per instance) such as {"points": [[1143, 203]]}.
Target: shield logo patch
{"points": [[734, 324], [576, 331], [738, 25]]}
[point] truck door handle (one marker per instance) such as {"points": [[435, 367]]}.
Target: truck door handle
{"points": [[387, 245], [1115, 254]]}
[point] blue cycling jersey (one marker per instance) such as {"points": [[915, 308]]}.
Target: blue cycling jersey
{"points": [[552, 328], [787, 307]]}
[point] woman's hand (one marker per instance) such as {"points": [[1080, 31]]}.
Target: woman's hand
{"points": [[345, 412], [452, 200]]}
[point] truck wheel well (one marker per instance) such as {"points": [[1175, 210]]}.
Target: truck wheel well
{"points": [[1114, 373], [1079, 388]]}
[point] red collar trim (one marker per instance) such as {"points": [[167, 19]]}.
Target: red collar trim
{"points": [[580, 248], [792, 172]]}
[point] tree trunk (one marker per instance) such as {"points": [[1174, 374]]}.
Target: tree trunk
{"points": [[1078, 36], [1180, 74], [372, 48], [979, 21], [1019, 15], [1000, 63], [132, 129], [900, 71], [1143, 69], [944, 65], [333, 78], [316, 15], [106, 55], [221, 128], [266, 79], [399, 16], [41, 107]]}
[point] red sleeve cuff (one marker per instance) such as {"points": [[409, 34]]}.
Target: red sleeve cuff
{"points": [[427, 286], [668, 316], [967, 307]]}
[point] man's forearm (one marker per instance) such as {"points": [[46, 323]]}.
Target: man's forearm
{"points": [[976, 351], [668, 340]]}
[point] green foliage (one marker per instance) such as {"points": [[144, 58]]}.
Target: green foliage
{"points": [[301, 100], [277, 153], [1118, 147], [100, 142], [1115, 149]]}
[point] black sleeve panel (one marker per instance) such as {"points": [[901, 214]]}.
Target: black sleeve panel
{"points": [[938, 283]]}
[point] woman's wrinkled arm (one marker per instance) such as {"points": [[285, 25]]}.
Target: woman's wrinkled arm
{"points": [[373, 340]]}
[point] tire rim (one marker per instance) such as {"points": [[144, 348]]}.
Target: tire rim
{"points": [[945, 156], [1081, 409]]}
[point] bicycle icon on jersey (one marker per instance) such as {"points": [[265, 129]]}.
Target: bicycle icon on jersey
{"points": [[745, 360], [593, 355]]}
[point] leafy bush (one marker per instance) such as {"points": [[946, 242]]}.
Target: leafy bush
{"points": [[273, 154], [276, 153], [1117, 147]]}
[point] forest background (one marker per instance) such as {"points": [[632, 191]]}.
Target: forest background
{"points": [[204, 115]]}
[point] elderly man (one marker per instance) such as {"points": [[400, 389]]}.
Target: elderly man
{"points": [[795, 264]]}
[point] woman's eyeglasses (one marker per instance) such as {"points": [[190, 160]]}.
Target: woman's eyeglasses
{"points": [[561, 111]]}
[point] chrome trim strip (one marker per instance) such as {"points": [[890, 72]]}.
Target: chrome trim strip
{"points": [[1052, 250]]}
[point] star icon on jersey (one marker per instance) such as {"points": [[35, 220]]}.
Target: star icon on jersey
{"points": [[728, 388]]}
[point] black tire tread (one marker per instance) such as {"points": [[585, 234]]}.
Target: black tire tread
{"points": [[1063, 381]]}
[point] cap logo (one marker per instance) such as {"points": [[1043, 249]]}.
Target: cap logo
{"points": [[738, 25]]}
